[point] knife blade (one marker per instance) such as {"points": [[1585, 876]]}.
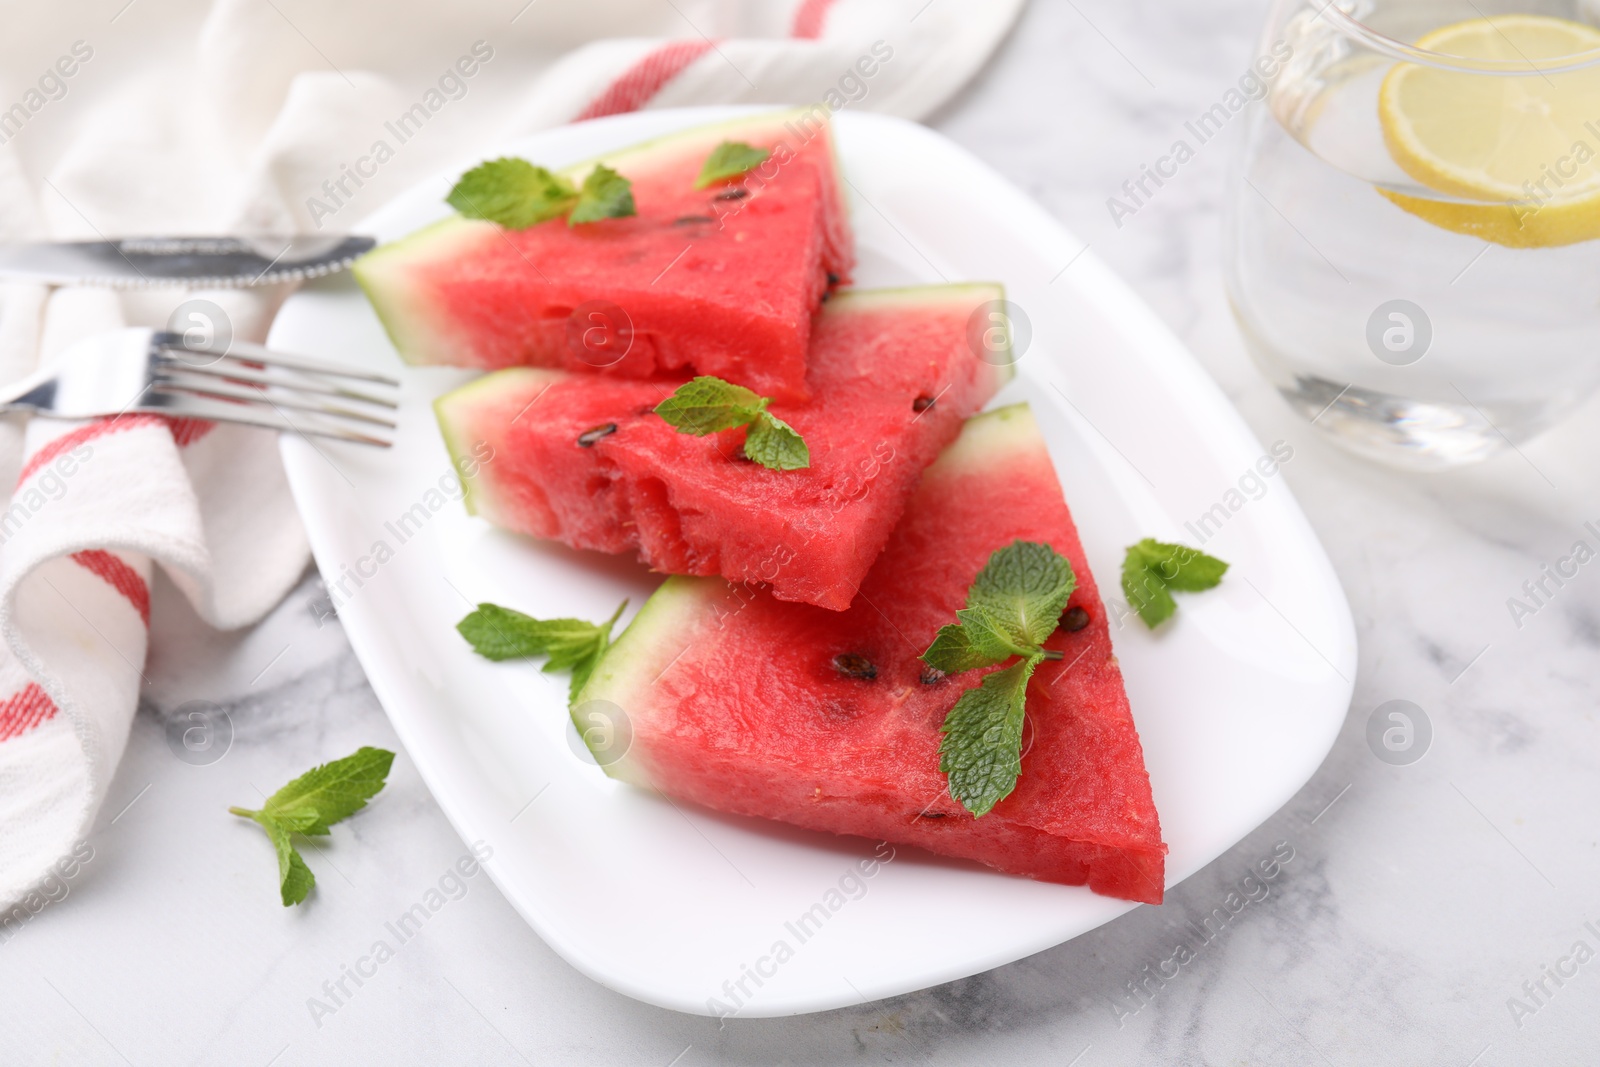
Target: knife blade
{"points": [[190, 262]]}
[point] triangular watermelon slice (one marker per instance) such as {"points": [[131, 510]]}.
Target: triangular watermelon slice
{"points": [[721, 280], [583, 459], [831, 721]]}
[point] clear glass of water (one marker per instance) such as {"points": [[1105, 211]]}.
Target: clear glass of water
{"points": [[1420, 320]]}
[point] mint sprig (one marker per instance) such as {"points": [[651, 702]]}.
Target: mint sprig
{"points": [[574, 645], [773, 443], [729, 160], [1151, 569], [605, 195], [517, 194], [512, 192], [311, 804], [707, 405], [1012, 607], [982, 749]]}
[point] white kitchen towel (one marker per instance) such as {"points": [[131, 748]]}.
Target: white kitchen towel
{"points": [[292, 115]]}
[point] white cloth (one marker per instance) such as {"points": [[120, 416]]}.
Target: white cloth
{"points": [[298, 115]]}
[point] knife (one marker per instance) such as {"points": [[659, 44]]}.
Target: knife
{"points": [[190, 262]]}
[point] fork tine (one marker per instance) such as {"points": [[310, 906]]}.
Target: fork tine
{"points": [[272, 358], [172, 364], [162, 383], [253, 415]]}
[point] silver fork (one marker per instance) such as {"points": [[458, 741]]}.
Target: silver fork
{"points": [[142, 370]]}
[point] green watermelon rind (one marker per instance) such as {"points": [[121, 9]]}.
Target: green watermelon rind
{"points": [[381, 272], [986, 440], [665, 626], [675, 616], [455, 410]]}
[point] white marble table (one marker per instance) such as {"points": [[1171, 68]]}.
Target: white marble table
{"points": [[1419, 898]]}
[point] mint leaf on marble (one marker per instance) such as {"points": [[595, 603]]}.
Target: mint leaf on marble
{"points": [[311, 804]]}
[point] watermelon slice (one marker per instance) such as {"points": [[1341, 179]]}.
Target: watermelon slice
{"points": [[831, 721], [722, 280], [583, 459]]}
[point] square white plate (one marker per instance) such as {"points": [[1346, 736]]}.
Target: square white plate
{"points": [[1237, 700]]}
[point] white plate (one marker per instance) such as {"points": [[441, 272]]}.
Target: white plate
{"points": [[1237, 701]]}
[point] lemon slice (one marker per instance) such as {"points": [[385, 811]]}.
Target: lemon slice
{"points": [[1529, 145]]}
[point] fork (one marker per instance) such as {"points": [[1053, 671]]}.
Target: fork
{"points": [[150, 371]]}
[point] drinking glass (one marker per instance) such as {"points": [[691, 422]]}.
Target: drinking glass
{"points": [[1420, 325]]}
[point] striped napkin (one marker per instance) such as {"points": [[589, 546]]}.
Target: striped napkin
{"points": [[293, 116]]}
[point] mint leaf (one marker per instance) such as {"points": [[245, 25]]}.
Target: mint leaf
{"points": [[1152, 568], [324, 795], [952, 651], [976, 641], [311, 804], [294, 877], [1146, 592], [708, 405], [982, 748], [773, 443], [573, 645], [1024, 587], [499, 633], [729, 160], [605, 195], [1181, 567], [1013, 606], [516, 194], [991, 636], [512, 192], [583, 666]]}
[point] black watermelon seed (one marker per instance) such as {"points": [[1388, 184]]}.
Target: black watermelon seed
{"points": [[922, 403], [692, 220], [733, 194], [833, 279], [1074, 620], [855, 665], [929, 815], [589, 437], [931, 676]]}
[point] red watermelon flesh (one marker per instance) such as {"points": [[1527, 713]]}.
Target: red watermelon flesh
{"points": [[735, 701], [722, 280], [893, 375]]}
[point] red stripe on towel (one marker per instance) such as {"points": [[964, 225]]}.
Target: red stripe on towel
{"points": [[642, 81], [68, 441], [24, 710], [119, 576], [809, 18], [184, 432]]}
